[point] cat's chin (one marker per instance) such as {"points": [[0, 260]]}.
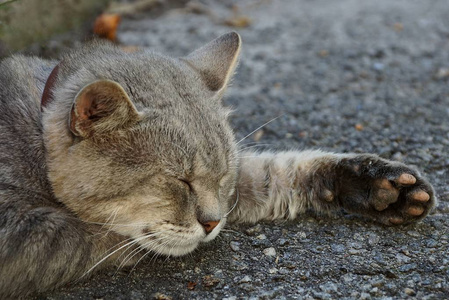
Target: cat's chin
{"points": [[186, 248], [177, 250]]}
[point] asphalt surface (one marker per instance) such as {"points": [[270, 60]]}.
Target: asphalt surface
{"points": [[344, 76]]}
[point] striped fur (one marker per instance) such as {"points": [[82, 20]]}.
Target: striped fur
{"points": [[133, 154]]}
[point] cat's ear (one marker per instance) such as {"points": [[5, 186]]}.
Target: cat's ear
{"points": [[217, 60], [101, 107]]}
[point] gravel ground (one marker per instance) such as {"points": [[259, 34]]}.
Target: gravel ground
{"points": [[345, 76]]}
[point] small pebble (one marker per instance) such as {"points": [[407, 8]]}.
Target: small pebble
{"points": [[283, 242], [245, 279], [378, 66], [269, 251], [235, 246], [365, 296], [302, 235], [373, 239], [409, 291], [407, 267], [442, 73], [253, 230], [261, 237], [353, 251], [413, 233]]}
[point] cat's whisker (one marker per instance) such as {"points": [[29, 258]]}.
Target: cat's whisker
{"points": [[112, 224], [176, 244], [140, 248], [135, 244], [234, 206], [155, 249], [104, 258], [154, 257], [251, 144], [133, 239], [122, 225], [111, 227], [114, 212], [170, 251], [156, 253], [137, 250], [119, 243], [229, 230], [130, 255], [241, 150], [164, 244], [260, 127], [113, 252]]}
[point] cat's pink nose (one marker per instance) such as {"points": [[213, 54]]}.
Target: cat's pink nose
{"points": [[209, 225]]}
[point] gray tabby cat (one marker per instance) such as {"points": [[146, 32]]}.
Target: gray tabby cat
{"points": [[108, 155]]}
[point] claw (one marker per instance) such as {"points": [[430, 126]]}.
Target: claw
{"points": [[406, 179], [420, 196]]}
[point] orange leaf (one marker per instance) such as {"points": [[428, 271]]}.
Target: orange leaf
{"points": [[106, 26], [191, 285], [358, 127]]}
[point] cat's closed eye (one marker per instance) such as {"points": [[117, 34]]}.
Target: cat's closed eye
{"points": [[186, 183]]}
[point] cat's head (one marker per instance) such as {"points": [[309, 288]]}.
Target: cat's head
{"points": [[141, 142]]}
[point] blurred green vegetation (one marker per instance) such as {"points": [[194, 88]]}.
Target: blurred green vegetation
{"points": [[23, 22]]}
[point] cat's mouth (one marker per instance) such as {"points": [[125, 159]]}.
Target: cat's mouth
{"points": [[180, 245]]}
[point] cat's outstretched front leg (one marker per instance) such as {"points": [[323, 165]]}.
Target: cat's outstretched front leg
{"points": [[281, 185]]}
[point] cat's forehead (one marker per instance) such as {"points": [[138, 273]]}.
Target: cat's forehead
{"points": [[183, 125], [202, 138], [154, 80]]}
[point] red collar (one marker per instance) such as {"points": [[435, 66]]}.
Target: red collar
{"points": [[47, 95]]}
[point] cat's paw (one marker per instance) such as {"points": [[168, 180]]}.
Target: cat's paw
{"points": [[386, 191]]}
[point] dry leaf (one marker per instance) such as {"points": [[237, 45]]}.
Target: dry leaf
{"points": [[191, 285], [106, 26], [210, 280]]}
